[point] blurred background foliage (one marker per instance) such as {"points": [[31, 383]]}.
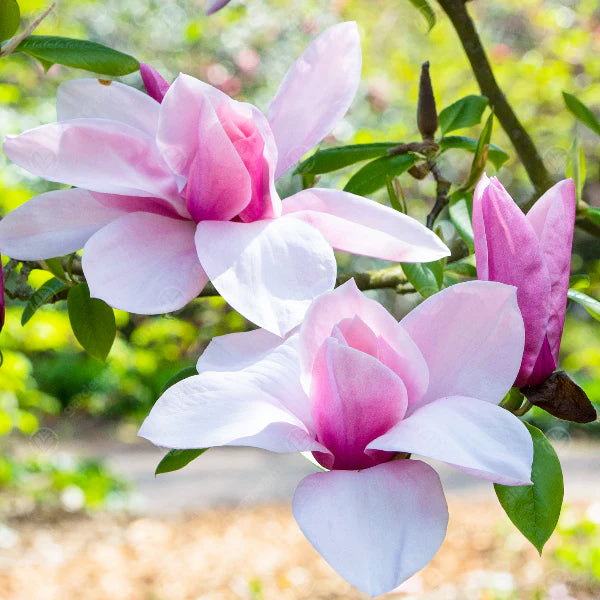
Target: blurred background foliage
{"points": [[538, 48]]}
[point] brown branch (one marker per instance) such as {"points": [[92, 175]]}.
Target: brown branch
{"points": [[12, 44], [469, 38], [421, 147], [441, 199]]}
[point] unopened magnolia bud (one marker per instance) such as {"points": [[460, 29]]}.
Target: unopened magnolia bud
{"points": [[427, 119], [419, 171]]}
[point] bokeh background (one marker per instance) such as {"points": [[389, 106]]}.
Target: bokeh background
{"points": [[81, 514]]}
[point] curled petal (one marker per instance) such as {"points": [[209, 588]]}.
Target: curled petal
{"points": [[395, 347], [553, 220], [354, 224], [315, 93], [269, 271], [53, 224], [144, 263], [507, 250], [471, 335], [375, 527], [477, 437], [156, 85]]}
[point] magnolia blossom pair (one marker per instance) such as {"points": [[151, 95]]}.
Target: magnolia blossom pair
{"points": [[178, 187], [356, 388], [532, 252]]}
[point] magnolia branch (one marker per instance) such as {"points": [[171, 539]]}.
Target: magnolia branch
{"points": [[521, 140], [12, 44]]}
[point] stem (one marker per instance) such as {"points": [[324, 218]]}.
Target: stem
{"points": [[469, 38], [12, 44], [524, 409], [441, 200]]}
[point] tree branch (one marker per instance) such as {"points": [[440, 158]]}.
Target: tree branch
{"points": [[12, 44], [469, 38]]}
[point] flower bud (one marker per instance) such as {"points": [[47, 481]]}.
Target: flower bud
{"points": [[427, 119]]}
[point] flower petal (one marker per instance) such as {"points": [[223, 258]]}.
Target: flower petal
{"points": [[471, 335], [315, 93], [507, 250], [269, 271], [375, 527], [396, 349], [477, 437], [249, 407], [99, 99], [53, 224], [354, 399], [94, 154], [553, 220], [144, 263], [155, 84], [354, 224], [215, 5]]}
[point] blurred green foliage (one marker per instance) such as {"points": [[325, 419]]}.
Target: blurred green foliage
{"points": [[538, 48]]}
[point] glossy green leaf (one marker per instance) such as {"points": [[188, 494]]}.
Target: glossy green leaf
{"points": [[465, 112], [590, 304], [534, 509], [92, 321], [49, 289], [481, 154], [593, 214], [183, 374], [579, 281], [396, 201], [10, 17], [426, 278], [332, 159], [55, 267], [575, 167], [460, 209], [177, 459], [582, 112], [496, 155], [80, 54], [425, 9], [373, 175], [464, 266]]}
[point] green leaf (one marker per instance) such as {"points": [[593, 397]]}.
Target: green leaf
{"points": [[481, 154], [425, 9], [496, 155], [465, 112], [582, 112], [55, 267], [332, 159], [590, 304], [10, 17], [593, 214], [41, 296], [464, 266], [534, 509], [575, 167], [183, 374], [92, 321], [373, 175], [80, 54], [395, 202], [177, 459], [579, 281], [426, 278], [460, 208]]}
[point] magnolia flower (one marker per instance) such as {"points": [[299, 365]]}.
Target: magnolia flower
{"points": [[533, 253], [355, 387], [169, 195]]}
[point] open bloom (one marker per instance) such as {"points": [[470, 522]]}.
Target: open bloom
{"points": [[172, 194], [533, 253], [355, 387]]}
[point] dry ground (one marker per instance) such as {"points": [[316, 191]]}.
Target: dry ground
{"points": [[259, 554]]}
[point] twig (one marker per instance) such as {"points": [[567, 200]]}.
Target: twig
{"points": [[528, 153], [441, 199], [421, 147], [12, 44]]}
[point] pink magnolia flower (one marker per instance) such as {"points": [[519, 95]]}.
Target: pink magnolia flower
{"points": [[533, 253], [355, 387], [169, 195]]}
